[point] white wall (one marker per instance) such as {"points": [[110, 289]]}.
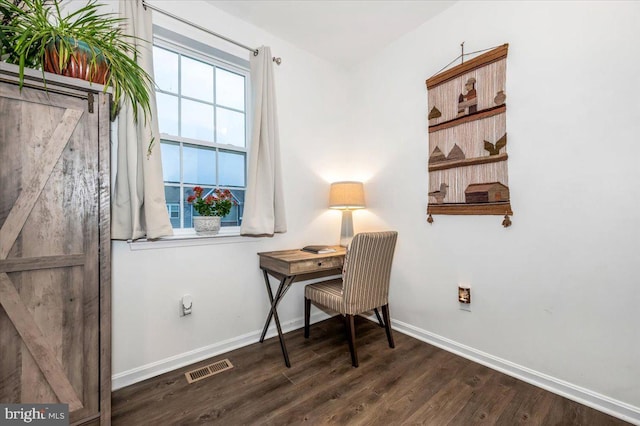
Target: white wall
{"points": [[558, 291], [224, 279], [555, 293]]}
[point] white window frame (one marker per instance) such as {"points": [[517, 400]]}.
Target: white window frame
{"points": [[181, 48]]}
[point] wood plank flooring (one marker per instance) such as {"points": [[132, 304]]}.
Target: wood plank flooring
{"points": [[415, 383]]}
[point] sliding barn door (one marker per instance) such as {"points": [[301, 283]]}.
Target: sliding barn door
{"points": [[49, 250]]}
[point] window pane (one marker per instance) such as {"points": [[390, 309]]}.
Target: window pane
{"points": [[197, 79], [197, 120], [170, 161], [202, 103], [231, 168], [199, 165], [165, 69], [234, 218], [188, 211], [229, 127], [229, 89], [172, 195], [167, 113]]}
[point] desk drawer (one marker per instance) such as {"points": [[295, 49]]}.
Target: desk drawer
{"points": [[314, 265]]}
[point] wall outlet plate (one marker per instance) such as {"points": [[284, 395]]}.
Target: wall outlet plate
{"points": [[464, 298], [186, 305], [464, 294]]}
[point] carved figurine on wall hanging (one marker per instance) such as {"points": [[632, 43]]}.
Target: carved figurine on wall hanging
{"points": [[468, 102], [468, 138]]}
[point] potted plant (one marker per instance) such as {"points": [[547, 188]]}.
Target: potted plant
{"points": [[85, 44], [211, 207]]}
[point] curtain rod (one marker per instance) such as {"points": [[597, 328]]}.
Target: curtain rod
{"points": [[278, 61]]}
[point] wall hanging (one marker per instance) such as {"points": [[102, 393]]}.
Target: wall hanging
{"points": [[468, 138]]}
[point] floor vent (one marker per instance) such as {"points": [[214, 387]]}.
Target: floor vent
{"points": [[208, 371]]}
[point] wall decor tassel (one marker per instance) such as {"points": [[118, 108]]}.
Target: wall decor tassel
{"points": [[430, 218], [506, 222]]}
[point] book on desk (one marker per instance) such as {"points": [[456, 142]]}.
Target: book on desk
{"points": [[318, 249]]}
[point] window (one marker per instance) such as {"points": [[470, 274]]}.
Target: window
{"points": [[174, 214], [203, 125]]}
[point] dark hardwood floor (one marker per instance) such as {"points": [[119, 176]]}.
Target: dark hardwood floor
{"points": [[415, 383]]}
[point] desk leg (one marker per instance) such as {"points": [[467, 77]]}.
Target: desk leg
{"points": [[285, 283], [271, 300]]}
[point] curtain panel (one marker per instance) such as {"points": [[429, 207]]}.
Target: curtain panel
{"points": [[264, 201], [139, 208]]}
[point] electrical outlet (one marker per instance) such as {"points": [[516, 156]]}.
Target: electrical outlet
{"points": [[464, 297], [186, 305], [464, 294]]}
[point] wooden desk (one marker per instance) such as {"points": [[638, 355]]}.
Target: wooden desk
{"points": [[291, 266]]}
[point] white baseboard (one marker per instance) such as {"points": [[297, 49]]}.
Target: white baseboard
{"points": [[568, 390], [153, 369]]}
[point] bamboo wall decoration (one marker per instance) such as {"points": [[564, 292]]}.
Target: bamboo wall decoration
{"points": [[468, 138]]}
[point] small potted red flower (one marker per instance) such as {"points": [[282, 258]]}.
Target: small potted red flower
{"points": [[211, 206]]}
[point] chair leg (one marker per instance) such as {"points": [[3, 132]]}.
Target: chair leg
{"points": [[378, 315], [307, 314], [351, 338], [387, 325]]}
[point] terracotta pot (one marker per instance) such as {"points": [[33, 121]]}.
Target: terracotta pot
{"points": [[79, 63], [206, 225]]}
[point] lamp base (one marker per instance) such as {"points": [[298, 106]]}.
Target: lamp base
{"points": [[346, 229]]}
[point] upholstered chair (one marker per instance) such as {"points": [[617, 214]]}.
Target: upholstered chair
{"points": [[364, 285]]}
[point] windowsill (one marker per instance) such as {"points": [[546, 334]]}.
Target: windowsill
{"points": [[188, 237]]}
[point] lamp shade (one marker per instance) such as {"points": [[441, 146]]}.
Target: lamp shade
{"points": [[347, 195]]}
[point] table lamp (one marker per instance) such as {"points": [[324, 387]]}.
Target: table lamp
{"points": [[346, 196]]}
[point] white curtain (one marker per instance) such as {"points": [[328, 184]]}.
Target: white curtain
{"points": [[264, 202], [139, 208]]}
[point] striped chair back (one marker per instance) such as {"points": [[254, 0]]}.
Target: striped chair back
{"points": [[367, 271]]}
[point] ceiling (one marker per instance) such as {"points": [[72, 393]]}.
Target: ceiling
{"points": [[344, 32]]}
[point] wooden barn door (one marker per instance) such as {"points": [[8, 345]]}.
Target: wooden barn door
{"points": [[49, 250]]}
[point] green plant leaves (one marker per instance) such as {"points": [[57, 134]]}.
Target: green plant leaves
{"points": [[29, 29]]}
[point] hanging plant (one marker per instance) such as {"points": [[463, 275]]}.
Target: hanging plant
{"points": [[85, 44]]}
